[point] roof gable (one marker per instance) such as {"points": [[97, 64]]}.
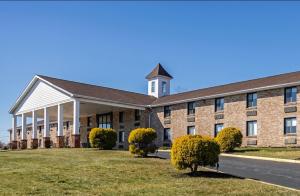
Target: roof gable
{"points": [[38, 94]]}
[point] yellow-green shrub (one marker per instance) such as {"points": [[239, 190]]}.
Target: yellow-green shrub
{"points": [[141, 141], [191, 151], [103, 138], [229, 138]]}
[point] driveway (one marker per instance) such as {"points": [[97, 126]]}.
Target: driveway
{"points": [[284, 174]]}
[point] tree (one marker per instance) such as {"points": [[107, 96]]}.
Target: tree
{"points": [[192, 151]]}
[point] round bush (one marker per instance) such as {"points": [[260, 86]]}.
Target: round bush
{"points": [[103, 138], [229, 138], [141, 141], [191, 151]]}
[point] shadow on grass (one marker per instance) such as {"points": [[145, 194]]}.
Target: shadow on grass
{"points": [[151, 156], [211, 174]]}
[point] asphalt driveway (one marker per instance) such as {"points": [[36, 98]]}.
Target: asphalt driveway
{"points": [[284, 174]]}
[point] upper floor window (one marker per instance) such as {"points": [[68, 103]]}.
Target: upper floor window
{"points": [[251, 100], [290, 125], [290, 95], [137, 115], [153, 86], [218, 128], [167, 134], [121, 117], [191, 108], [252, 128], [219, 104], [167, 111], [191, 130]]}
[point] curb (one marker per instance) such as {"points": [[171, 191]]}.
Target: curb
{"points": [[253, 157], [261, 158]]}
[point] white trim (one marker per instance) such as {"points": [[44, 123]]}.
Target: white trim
{"points": [[228, 94], [48, 105], [109, 103], [30, 85]]}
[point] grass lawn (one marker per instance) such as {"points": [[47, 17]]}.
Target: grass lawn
{"points": [[283, 153], [94, 172]]}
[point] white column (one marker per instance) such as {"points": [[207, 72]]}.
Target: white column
{"points": [[76, 113], [23, 132], [46, 123], [34, 125], [60, 120], [14, 128]]}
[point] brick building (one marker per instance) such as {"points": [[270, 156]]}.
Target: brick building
{"points": [[53, 112]]}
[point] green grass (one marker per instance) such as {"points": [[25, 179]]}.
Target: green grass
{"points": [[94, 172], [283, 153]]}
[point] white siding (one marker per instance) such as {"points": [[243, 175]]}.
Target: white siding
{"points": [[41, 95]]}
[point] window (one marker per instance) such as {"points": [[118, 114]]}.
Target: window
{"points": [[105, 120], [89, 121], [121, 117], [219, 104], [167, 111], [218, 128], [290, 95], [191, 130], [167, 134], [121, 136], [251, 128], [191, 108], [153, 86], [137, 115], [251, 100], [164, 87], [290, 125]]}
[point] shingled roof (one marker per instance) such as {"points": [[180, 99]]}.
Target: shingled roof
{"points": [[100, 92], [115, 95], [158, 71], [271, 82]]}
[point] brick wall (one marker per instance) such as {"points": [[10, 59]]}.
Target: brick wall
{"points": [[270, 118]]}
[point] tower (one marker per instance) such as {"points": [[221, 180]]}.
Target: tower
{"points": [[159, 82]]}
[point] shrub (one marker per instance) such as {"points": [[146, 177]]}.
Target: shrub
{"points": [[191, 151], [229, 138], [141, 141], [103, 138]]}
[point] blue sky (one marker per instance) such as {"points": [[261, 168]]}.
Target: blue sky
{"points": [[116, 44]]}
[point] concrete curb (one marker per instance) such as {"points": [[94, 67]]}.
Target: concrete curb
{"points": [[252, 157], [261, 158]]}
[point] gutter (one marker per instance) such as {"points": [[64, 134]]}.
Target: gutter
{"points": [[227, 94]]}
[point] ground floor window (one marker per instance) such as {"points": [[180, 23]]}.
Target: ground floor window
{"points": [[105, 120], [121, 136], [218, 128], [251, 128], [191, 130], [167, 134], [290, 125]]}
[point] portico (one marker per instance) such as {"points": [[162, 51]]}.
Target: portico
{"points": [[46, 115]]}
